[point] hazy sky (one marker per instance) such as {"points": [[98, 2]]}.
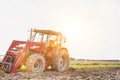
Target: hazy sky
{"points": [[92, 27]]}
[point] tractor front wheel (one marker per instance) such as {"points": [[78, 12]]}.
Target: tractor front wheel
{"points": [[35, 63]]}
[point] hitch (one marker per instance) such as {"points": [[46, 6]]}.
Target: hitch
{"points": [[6, 66]]}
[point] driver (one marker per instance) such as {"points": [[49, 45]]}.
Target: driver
{"points": [[52, 43]]}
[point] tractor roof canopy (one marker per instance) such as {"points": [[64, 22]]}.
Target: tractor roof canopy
{"points": [[43, 35], [47, 32]]}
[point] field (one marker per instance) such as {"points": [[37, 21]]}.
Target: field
{"points": [[78, 70], [94, 64]]}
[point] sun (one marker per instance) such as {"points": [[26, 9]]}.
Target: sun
{"points": [[72, 28]]}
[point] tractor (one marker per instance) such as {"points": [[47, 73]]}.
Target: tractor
{"points": [[43, 50]]}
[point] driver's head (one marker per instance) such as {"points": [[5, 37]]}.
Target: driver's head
{"points": [[52, 43]]}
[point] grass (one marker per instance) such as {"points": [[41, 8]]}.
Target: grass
{"points": [[1, 72], [93, 64]]}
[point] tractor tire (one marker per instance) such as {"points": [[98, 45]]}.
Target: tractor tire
{"points": [[35, 63], [61, 62]]}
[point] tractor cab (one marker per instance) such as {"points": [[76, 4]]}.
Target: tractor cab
{"points": [[48, 37]]}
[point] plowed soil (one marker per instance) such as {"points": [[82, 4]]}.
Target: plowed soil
{"points": [[70, 74]]}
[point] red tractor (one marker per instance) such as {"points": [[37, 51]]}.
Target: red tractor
{"points": [[43, 49]]}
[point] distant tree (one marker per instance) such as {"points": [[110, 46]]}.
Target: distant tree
{"points": [[80, 59], [72, 59]]}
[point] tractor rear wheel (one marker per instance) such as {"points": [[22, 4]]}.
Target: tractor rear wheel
{"points": [[61, 62], [35, 63]]}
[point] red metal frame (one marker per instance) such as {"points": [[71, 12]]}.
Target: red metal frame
{"points": [[20, 55]]}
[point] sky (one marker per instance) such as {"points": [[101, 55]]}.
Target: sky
{"points": [[90, 26]]}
